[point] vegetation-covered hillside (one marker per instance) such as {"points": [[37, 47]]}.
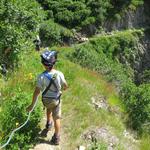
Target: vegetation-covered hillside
{"points": [[114, 65]]}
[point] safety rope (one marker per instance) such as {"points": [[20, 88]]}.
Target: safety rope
{"points": [[12, 133]]}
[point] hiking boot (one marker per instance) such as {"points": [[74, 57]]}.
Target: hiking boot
{"points": [[48, 125], [55, 140]]}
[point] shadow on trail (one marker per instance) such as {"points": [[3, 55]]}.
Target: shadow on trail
{"points": [[42, 138], [43, 133]]}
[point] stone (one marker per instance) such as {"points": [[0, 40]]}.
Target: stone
{"points": [[81, 148]]}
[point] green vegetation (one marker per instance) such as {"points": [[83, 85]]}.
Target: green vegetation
{"points": [[91, 69], [21, 20], [82, 13], [18, 94], [98, 146], [105, 54], [51, 33], [18, 24]]}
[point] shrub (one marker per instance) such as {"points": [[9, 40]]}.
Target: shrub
{"points": [[92, 56], [67, 13], [52, 33], [18, 24], [13, 115], [137, 100], [145, 76], [10, 44]]}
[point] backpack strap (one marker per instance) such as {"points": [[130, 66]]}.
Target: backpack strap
{"points": [[53, 82], [50, 83]]}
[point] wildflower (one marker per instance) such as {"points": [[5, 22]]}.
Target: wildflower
{"points": [[17, 123], [30, 76]]}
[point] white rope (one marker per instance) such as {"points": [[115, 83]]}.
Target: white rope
{"points": [[11, 135]]}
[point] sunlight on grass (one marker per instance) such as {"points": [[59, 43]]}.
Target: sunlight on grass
{"points": [[83, 84], [78, 111], [145, 142]]}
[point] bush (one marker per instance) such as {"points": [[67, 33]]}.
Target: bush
{"points": [[13, 115], [53, 34], [10, 44], [92, 56], [137, 100], [67, 13], [18, 24], [145, 76]]}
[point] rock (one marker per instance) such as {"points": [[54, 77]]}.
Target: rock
{"points": [[99, 102], [129, 19], [81, 148], [102, 134], [45, 146], [129, 136], [112, 141]]}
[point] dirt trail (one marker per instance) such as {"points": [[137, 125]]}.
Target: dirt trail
{"points": [[44, 139]]}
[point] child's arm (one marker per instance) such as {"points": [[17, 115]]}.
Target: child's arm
{"points": [[35, 96]]}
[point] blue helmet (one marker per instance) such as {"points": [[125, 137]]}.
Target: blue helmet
{"points": [[48, 58]]}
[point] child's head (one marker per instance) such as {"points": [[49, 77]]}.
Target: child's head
{"points": [[48, 59]]}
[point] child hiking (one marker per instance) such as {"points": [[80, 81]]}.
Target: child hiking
{"points": [[50, 83], [37, 43]]}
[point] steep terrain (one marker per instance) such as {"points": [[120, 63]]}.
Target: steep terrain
{"points": [[107, 103], [92, 112]]}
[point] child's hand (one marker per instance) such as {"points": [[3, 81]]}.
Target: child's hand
{"points": [[29, 108]]}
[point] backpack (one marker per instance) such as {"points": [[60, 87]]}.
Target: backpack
{"points": [[47, 100], [52, 81]]}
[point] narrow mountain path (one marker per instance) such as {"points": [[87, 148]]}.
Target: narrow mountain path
{"points": [[45, 137]]}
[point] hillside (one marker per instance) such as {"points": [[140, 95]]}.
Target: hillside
{"points": [[104, 52], [91, 107]]}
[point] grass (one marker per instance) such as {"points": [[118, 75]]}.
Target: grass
{"points": [[145, 140], [83, 85], [78, 112]]}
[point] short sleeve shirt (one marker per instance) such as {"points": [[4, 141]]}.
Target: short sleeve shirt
{"points": [[43, 82]]}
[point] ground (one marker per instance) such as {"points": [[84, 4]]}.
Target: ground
{"points": [[44, 139]]}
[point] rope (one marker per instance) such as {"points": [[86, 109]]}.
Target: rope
{"points": [[11, 135]]}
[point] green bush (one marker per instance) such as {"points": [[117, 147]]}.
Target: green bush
{"points": [[13, 115], [11, 43], [53, 34], [137, 100], [80, 14], [145, 76], [67, 13], [19, 21], [91, 56]]}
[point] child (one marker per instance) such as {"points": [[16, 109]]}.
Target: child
{"points": [[50, 83], [37, 43]]}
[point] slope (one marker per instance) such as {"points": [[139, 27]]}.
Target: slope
{"points": [[91, 105]]}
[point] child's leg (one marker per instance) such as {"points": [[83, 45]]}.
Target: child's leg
{"points": [[49, 115], [56, 137], [49, 122], [57, 126]]}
